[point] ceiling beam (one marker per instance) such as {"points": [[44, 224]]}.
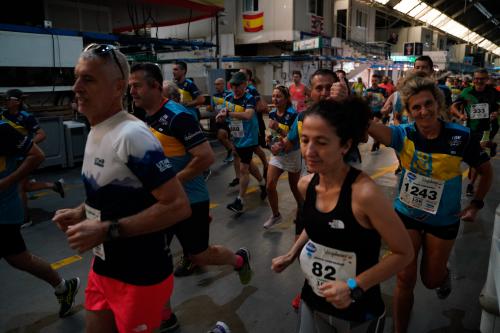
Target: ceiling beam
{"points": [[479, 27], [435, 4], [488, 32], [462, 10]]}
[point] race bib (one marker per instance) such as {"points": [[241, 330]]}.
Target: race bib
{"points": [[421, 192], [480, 111], [322, 264], [95, 214], [236, 127]]}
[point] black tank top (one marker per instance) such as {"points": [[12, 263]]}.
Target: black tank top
{"points": [[339, 230]]}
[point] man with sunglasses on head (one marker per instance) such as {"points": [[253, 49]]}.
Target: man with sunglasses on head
{"points": [[240, 111], [132, 196], [480, 104]]}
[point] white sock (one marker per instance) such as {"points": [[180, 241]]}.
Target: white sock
{"points": [[61, 287]]}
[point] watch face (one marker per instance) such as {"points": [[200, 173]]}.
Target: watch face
{"points": [[113, 231], [357, 293]]}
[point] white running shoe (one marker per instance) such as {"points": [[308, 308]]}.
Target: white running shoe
{"points": [[272, 221]]}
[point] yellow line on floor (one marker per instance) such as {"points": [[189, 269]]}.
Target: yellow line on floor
{"points": [[65, 262], [213, 205], [251, 189]]}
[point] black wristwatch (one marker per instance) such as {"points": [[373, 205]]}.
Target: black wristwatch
{"points": [[478, 203], [113, 230], [356, 291]]}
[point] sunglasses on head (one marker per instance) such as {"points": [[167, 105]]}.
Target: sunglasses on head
{"points": [[104, 49]]}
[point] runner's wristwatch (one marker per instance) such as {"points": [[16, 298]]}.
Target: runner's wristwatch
{"points": [[113, 230], [356, 291]]}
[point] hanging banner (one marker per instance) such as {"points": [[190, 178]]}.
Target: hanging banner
{"points": [[253, 22]]}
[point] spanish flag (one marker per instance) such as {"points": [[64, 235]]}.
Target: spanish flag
{"points": [[253, 22]]}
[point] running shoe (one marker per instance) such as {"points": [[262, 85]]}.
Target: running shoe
{"points": [[169, 325], [67, 298], [229, 159], [236, 206], [185, 267], [444, 290], [272, 221], [234, 182], [245, 271], [263, 192], [493, 149], [470, 190], [229, 156], [27, 223], [58, 187]]}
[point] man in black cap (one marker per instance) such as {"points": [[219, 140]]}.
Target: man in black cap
{"points": [[26, 123], [244, 126]]}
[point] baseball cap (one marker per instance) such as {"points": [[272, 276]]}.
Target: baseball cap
{"points": [[14, 94], [238, 78]]}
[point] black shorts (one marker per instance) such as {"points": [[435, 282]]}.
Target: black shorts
{"points": [[447, 232], [476, 136], [222, 126], [193, 232], [245, 154], [11, 240]]}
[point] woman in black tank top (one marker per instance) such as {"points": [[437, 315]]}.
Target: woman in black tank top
{"points": [[345, 216]]}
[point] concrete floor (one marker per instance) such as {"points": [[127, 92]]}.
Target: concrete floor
{"points": [[215, 293]]}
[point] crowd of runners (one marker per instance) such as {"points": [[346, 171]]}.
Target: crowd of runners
{"points": [[145, 182]]}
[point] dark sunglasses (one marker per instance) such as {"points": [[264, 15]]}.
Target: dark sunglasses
{"points": [[104, 49]]}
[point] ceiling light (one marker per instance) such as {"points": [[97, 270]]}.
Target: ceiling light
{"points": [[430, 16], [406, 5]]}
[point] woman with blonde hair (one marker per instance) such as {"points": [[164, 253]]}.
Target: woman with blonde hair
{"points": [[429, 192]]}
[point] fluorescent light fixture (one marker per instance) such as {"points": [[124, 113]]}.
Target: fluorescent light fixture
{"points": [[406, 5], [383, 2], [478, 41], [430, 16], [471, 37], [485, 44], [440, 21], [483, 10], [492, 47], [454, 28]]}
